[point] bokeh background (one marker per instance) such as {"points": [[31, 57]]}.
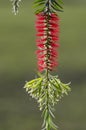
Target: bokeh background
{"points": [[18, 64]]}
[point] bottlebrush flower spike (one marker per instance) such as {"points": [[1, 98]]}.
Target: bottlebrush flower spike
{"points": [[47, 40]]}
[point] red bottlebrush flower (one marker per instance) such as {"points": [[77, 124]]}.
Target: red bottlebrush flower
{"points": [[54, 45], [41, 56], [40, 45], [47, 27]]}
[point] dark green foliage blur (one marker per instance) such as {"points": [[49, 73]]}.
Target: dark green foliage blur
{"points": [[18, 64]]}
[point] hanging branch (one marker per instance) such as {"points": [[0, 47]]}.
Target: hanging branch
{"points": [[46, 89], [15, 4]]}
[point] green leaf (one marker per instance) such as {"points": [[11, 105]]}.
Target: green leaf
{"points": [[60, 1], [66, 88], [38, 1], [56, 85], [51, 113], [54, 2], [46, 114], [33, 81], [53, 125], [38, 4], [38, 83], [56, 8], [39, 10]]}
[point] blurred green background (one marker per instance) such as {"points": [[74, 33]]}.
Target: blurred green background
{"points": [[18, 64]]}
